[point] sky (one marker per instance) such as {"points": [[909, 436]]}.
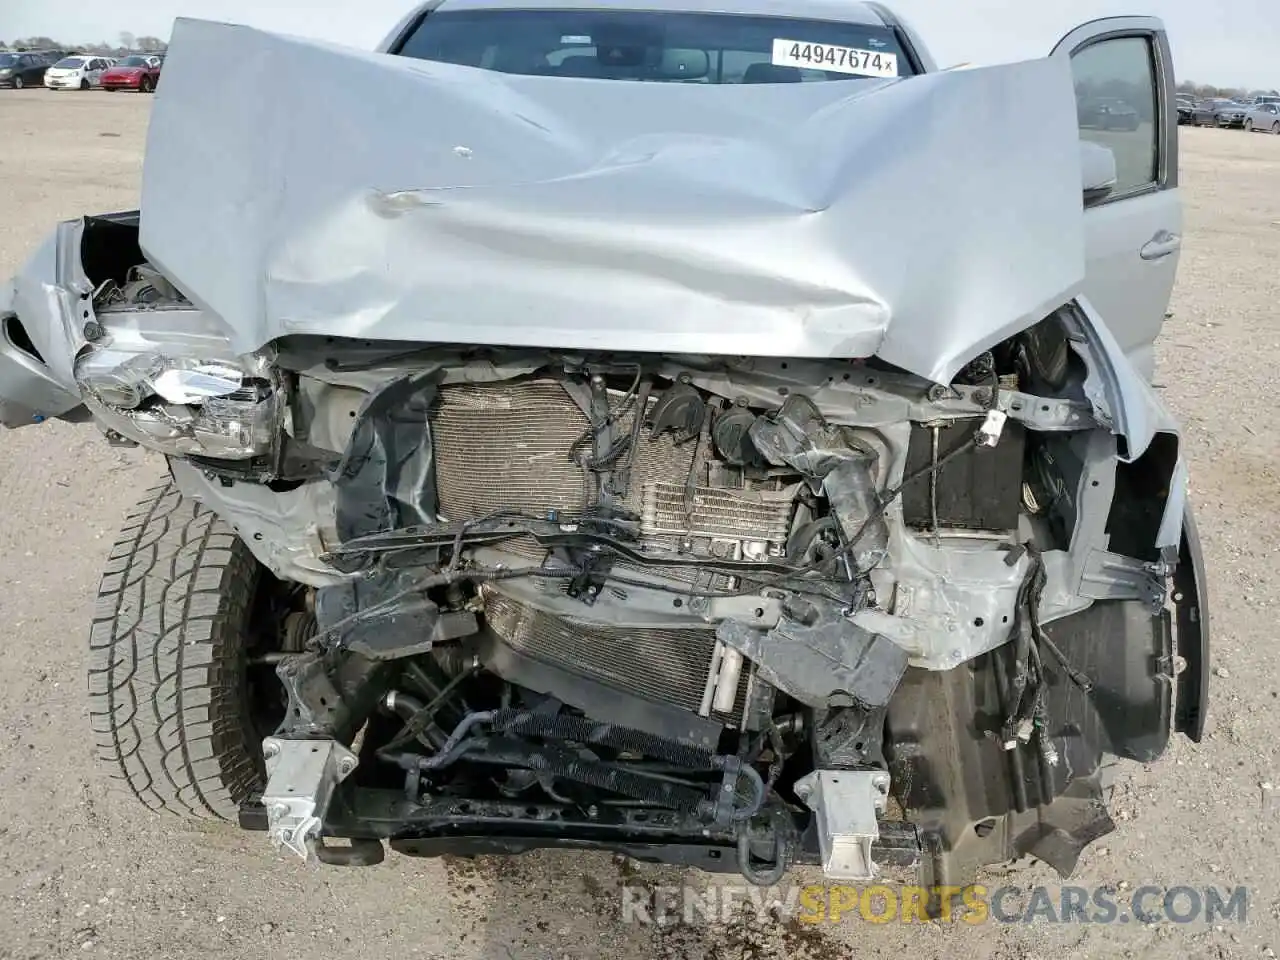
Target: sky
{"points": [[1229, 43]]}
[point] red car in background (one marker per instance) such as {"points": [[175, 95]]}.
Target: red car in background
{"points": [[136, 72]]}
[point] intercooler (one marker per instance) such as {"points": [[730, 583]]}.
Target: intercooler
{"points": [[669, 666]]}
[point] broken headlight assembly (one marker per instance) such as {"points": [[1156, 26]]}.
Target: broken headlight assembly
{"points": [[182, 399]]}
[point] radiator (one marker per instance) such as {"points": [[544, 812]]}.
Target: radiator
{"points": [[507, 447], [660, 665]]}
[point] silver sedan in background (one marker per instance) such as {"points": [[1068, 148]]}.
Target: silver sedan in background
{"points": [[1264, 117]]}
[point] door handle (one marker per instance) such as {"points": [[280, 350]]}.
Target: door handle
{"points": [[1161, 245]]}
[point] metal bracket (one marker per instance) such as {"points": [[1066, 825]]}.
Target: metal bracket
{"points": [[301, 778], [847, 805], [1111, 576]]}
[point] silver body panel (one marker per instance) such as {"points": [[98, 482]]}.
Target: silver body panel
{"points": [[477, 207]]}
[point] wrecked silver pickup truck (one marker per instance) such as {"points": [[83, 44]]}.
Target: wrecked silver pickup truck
{"points": [[746, 465]]}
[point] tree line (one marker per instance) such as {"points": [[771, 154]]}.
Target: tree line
{"points": [[128, 43], [1204, 91]]}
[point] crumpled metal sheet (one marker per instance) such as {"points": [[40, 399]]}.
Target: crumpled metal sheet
{"points": [[322, 190]]}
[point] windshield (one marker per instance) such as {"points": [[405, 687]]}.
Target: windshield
{"points": [[69, 63], [658, 45], [133, 62], [8, 60]]}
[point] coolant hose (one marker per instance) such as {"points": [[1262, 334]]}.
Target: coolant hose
{"points": [[407, 707], [459, 734]]}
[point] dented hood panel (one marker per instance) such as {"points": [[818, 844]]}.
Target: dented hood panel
{"points": [[321, 190]]}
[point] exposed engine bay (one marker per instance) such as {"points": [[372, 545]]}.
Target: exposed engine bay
{"points": [[732, 612]]}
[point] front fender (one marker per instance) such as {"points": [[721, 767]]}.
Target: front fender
{"points": [[1122, 398], [41, 330]]}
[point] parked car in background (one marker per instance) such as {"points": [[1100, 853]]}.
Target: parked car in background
{"points": [[136, 72], [1218, 112], [76, 73], [1186, 109], [1232, 114], [20, 70], [1107, 113], [1264, 117]]}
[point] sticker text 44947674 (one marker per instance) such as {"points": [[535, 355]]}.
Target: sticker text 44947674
{"points": [[825, 56]]}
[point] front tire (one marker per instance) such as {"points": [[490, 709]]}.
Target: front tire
{"points": [[1248, 126], [18, 83], [168, 698], [144, 85], [84, 84]]}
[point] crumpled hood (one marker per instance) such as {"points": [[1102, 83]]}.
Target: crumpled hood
{"points": [[373, 196]]}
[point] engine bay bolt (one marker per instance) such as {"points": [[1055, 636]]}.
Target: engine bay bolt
{"points": [[685, 378], [345, 766], [597, 380], [270, 749], [93, 331], [938, 393]]}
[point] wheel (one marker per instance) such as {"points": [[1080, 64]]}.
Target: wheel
{"points": [[1248, 126], [1275, 127], [145, 85], [169, 699], [18, 83], [84, 84]]}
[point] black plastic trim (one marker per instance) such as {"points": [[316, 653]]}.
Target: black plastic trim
{"points": [[1191, 615]]}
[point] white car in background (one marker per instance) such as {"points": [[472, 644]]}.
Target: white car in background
{"points": [[76, 73]]}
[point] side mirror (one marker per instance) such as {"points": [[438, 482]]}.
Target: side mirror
{"points": [[1097, 170]]}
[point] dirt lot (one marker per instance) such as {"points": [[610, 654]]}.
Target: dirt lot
{"points": [[86, 874]]}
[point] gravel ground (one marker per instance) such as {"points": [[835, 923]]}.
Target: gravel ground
{"points": [[85, 873]]}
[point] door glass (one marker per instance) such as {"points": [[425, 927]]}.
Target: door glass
{"points": [[1116, 100]]}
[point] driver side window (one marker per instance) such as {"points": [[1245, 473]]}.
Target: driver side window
{"points": [[1117, 106]]}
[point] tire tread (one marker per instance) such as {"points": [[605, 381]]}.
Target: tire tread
{"points": [[165, 650]]}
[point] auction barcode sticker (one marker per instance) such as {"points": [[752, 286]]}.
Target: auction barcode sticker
{"points": [[825, 56]]}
